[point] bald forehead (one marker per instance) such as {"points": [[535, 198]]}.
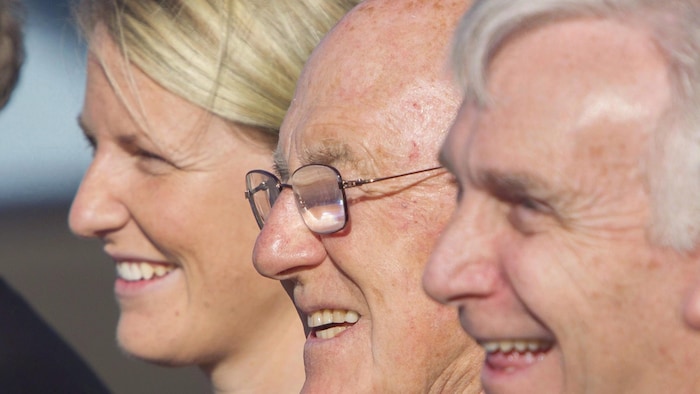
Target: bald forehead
{"points": [[382, 46], [382, 71]]}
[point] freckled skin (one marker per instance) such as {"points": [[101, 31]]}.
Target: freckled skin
{"points": [[374, 85]]}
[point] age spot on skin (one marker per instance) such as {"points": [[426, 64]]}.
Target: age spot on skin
{"points": [[415, 151]]}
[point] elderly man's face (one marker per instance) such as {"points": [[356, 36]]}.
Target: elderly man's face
{"points": [[365, 109], [548, 254]]}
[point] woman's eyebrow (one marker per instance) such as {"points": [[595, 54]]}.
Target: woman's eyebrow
{"points": [[84, 127], [126, 139], [87, 132]]}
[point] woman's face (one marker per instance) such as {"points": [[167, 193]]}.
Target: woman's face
{"points": [[164, 192]]}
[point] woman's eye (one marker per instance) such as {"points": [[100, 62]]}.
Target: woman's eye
{"points": [[91, 144], [152, 163]]}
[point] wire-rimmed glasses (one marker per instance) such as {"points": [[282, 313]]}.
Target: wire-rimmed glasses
{"points": [[319, 191]]}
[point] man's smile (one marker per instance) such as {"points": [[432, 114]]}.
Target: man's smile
{"points": [[327, 323]]}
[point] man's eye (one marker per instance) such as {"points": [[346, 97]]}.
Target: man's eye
{"points": [[460, 191], [529, 216], [144, 154], [530, 204], [452, 180]]}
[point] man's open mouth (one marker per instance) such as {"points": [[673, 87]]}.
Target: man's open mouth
{"points": [[327, 323]]}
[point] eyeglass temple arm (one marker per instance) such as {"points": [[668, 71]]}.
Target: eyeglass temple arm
{"points": [[360, 181]]}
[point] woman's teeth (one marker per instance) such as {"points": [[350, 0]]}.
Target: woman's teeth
{"points": [[141, 271]]}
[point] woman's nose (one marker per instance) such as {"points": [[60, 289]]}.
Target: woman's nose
{"points": [[97, 208]]}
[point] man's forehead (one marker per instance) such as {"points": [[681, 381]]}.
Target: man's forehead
{"points": [[328, 123], [371, 53], [363, 88]]}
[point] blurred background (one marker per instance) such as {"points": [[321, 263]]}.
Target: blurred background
{"points": [[42, 158]]}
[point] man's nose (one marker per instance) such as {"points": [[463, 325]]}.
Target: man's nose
{"points": [[286, 245], [465, 261]]}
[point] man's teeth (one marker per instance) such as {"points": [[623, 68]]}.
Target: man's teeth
{"points": [[331, 316], [329, 333], [519, 346], [142, 271], [328, 316]]}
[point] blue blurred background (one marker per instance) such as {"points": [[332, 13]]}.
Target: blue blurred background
{"points": [[42, 154], [42, 158]]}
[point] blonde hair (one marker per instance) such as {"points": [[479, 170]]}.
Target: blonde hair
{"points": [[238, 59], [11, 47]]}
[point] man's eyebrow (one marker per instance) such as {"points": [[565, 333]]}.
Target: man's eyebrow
{"points": [[329, 152], [443, 160], [512, 187], [279, 165]]}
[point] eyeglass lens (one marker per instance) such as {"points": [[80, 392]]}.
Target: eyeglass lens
{"points": [[320, 198], [318, 194]]}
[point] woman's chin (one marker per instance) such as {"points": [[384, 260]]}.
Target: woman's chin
{"points": [[150, 346]]}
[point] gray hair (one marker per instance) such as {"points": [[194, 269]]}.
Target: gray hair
{"points": [[673, 165]]}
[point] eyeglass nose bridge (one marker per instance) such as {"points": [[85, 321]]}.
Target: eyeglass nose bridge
{"points": [[280, 188]]}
